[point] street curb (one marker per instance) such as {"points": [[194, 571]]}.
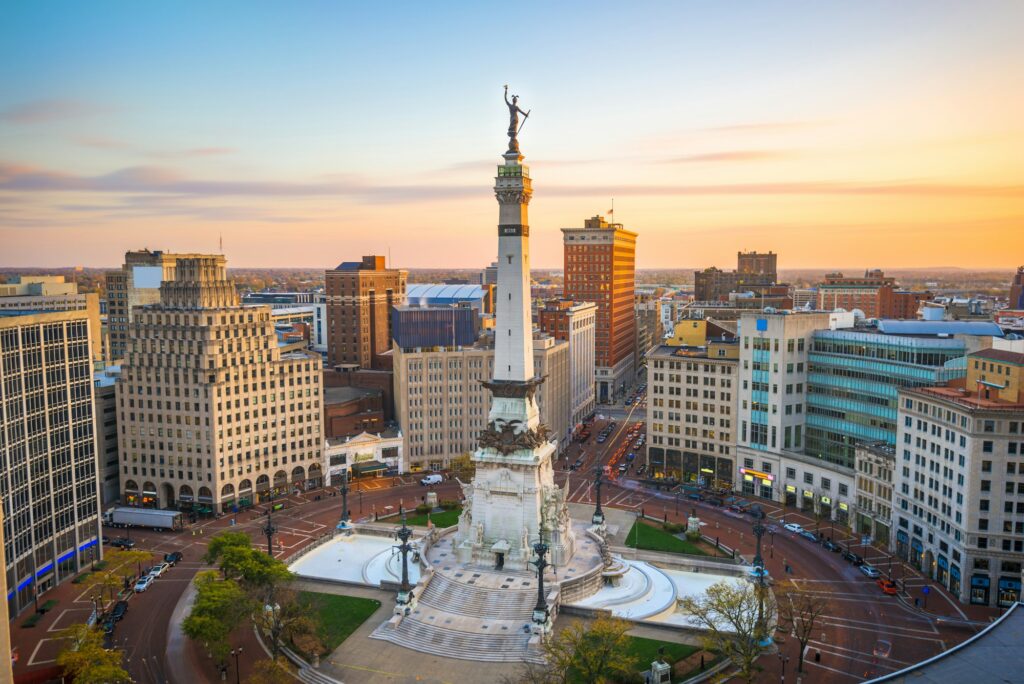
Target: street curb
{"points": [[177, 641]]}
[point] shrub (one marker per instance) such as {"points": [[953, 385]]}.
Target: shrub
{"points": [[693, 536], [674, 528], [423, 509], [450, 504]]}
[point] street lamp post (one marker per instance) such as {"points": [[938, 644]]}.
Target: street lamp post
{"points": [[237, 652], [269, 530], [783, 659], [344, 500], [540, 611], [759, 530], [405, 594], [598, 517]]}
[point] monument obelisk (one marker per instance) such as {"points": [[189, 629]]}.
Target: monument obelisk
{"points": [[513, 501]]}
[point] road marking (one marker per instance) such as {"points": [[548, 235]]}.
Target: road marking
{"points": [[32, 658], [825, 647], [55, 628], [931, 628]]}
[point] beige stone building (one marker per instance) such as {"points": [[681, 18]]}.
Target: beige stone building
{"points": [[137, 283], [692, 410], [211, 413], [51, 293], [442, 406], [875, 464]]}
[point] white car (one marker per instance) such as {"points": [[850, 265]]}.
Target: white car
{"points": [[159, 569], [143, 584], [793, 527], [432, 479], [870, 571]]}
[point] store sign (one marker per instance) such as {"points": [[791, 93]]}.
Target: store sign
{"points": [[758, 474], [791, 489], [359, 458], [843, 507], [826, 500], [808, 494]]}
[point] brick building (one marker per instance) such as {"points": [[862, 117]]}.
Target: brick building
{"points": [[360, 295]]}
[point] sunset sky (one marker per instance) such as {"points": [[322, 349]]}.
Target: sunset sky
{"points": [[838, 134]]}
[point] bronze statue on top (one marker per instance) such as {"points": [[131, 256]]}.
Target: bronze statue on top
{"points": [[513, 120]]}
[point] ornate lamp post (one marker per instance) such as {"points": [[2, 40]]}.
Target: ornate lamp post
{"points": [[405, 594], [269, 530], [237, 653], [598, 518], [758, 570], [540, 611], [783, 659], [344, 501]]}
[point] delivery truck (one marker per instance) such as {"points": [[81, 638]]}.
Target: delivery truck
{"points": [[129, 516]]}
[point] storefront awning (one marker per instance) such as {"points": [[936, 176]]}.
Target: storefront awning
{"points": [[368, 467]]}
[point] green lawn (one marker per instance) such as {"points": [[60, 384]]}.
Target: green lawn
{"points": [[646, 651], [442, 519], [650, 538], [339, 616]]}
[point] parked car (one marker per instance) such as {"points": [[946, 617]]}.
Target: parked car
{"points": [[870, 571], [623, 467], [143, 584], [173, 558], [601, 439], [714, 501], [123, 543], [809, 536], [120, 608], [432, 479], [853, 558], [830, 545], [695, 496], [108, 626], [793, 527], [887, 586], [159, 569]]}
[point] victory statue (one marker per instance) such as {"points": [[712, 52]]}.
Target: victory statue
{"points": [[513, 120]]}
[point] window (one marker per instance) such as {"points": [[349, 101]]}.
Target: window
{"points": [[986, 466], [790, 473], [809, 478], [986, 446], [844, 490]]}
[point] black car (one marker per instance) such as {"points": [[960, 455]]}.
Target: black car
{"points": [[853, 558], [120, 608], [830, 545], [173, 558], [695, 497], [123, 543], [809, 536], [715, 501]]}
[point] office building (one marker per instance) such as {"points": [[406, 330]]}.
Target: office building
{"points": [[959, 486], [279, 300], [875, 295], [755, 271], [804, 298], [137, 283], [109, 463], [212, 414], [360, 295], [351, 410], [758, 263], [49, 484], [318, 333], [693, 397], [1017, 290], [875, 466], [489, 276], [600, 265], [434, 326], [51, 293], [442, 406], [854, 378], [575, 322]]}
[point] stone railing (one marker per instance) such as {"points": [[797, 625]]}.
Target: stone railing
{"points": [[582, 586]]}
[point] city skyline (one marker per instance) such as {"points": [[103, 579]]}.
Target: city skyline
{"points": [[814, 134]]}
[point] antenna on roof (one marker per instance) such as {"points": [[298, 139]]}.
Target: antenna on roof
{"points": [[221, 242]]}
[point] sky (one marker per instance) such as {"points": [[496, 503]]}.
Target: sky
{"points": [[838, 134]]}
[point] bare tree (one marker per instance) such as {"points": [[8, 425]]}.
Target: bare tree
{"points": [[798, 613]]}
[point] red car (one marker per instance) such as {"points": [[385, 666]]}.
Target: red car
{"points": [[887, 586]]}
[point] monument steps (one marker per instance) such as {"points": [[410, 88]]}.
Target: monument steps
{"points": [[451, 643], [463, 599]]}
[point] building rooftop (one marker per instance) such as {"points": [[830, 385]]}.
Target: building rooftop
{"points": [[992, 655], [107, 377], [901, 327], [442, 292], [1001, 355], [343, 395], [391, 432], [957, 393]]}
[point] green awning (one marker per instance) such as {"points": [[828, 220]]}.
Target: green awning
{"points": [[368, 467]]}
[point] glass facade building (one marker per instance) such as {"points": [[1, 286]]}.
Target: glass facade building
{"points": [[853, 381]]}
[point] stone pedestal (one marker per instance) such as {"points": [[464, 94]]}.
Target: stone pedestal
{"points": [[432, 500], [661, 673], [693, 524]]}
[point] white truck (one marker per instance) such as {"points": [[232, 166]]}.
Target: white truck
{"points": [[130, 516]]}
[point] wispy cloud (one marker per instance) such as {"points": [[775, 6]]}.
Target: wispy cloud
{"points": [[42, 111], [766, 126], [105, 143], [731, 156]]}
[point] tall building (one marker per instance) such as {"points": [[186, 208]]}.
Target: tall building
{"points": [[136, 284], [875, 294], [434, 326], [1017, 290], [441, 403], [107, 459], [854, 379], [51, 293], [575, 322], [211, 413], [758, 263], [959, 487], [755, 272], [691, 420], [49, 482], [876, 471], [600, 267], [360, 295]]}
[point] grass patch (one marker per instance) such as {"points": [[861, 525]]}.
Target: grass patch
{"points": [[442, 519], [646, 650], [708, 664], [651, 538], [339, 616]]}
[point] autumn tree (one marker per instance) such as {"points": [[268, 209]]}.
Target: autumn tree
{"points": [[276, 671], [119, 567], [734, 617], [596, 654], [220, 606], [85, 661], [799, 611], [291, 618]]}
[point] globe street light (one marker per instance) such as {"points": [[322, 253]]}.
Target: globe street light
{"points": [[598, 518], [236, 652], [344, 500], [405, 594], [540, 611], [269, 530]]}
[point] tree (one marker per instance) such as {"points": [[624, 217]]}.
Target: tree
{"points": [[728, 612], [220, 543], [86, 661], [289, 618], [119, 566], [220, 606], [798, 613], [595, 655], [276, 671]]}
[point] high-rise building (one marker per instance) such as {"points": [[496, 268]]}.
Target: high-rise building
{"points": [[360, 295], [442, 406], [755, 272], [758, 263], [434, 326], [212, 414], [107, 459], [1017, 290], [600, 267], [574, 322], [875, 294], [51, 293], [693, 396], [959, 486], [876, 470], [49, 484], [136, 284], [855, 375]]}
